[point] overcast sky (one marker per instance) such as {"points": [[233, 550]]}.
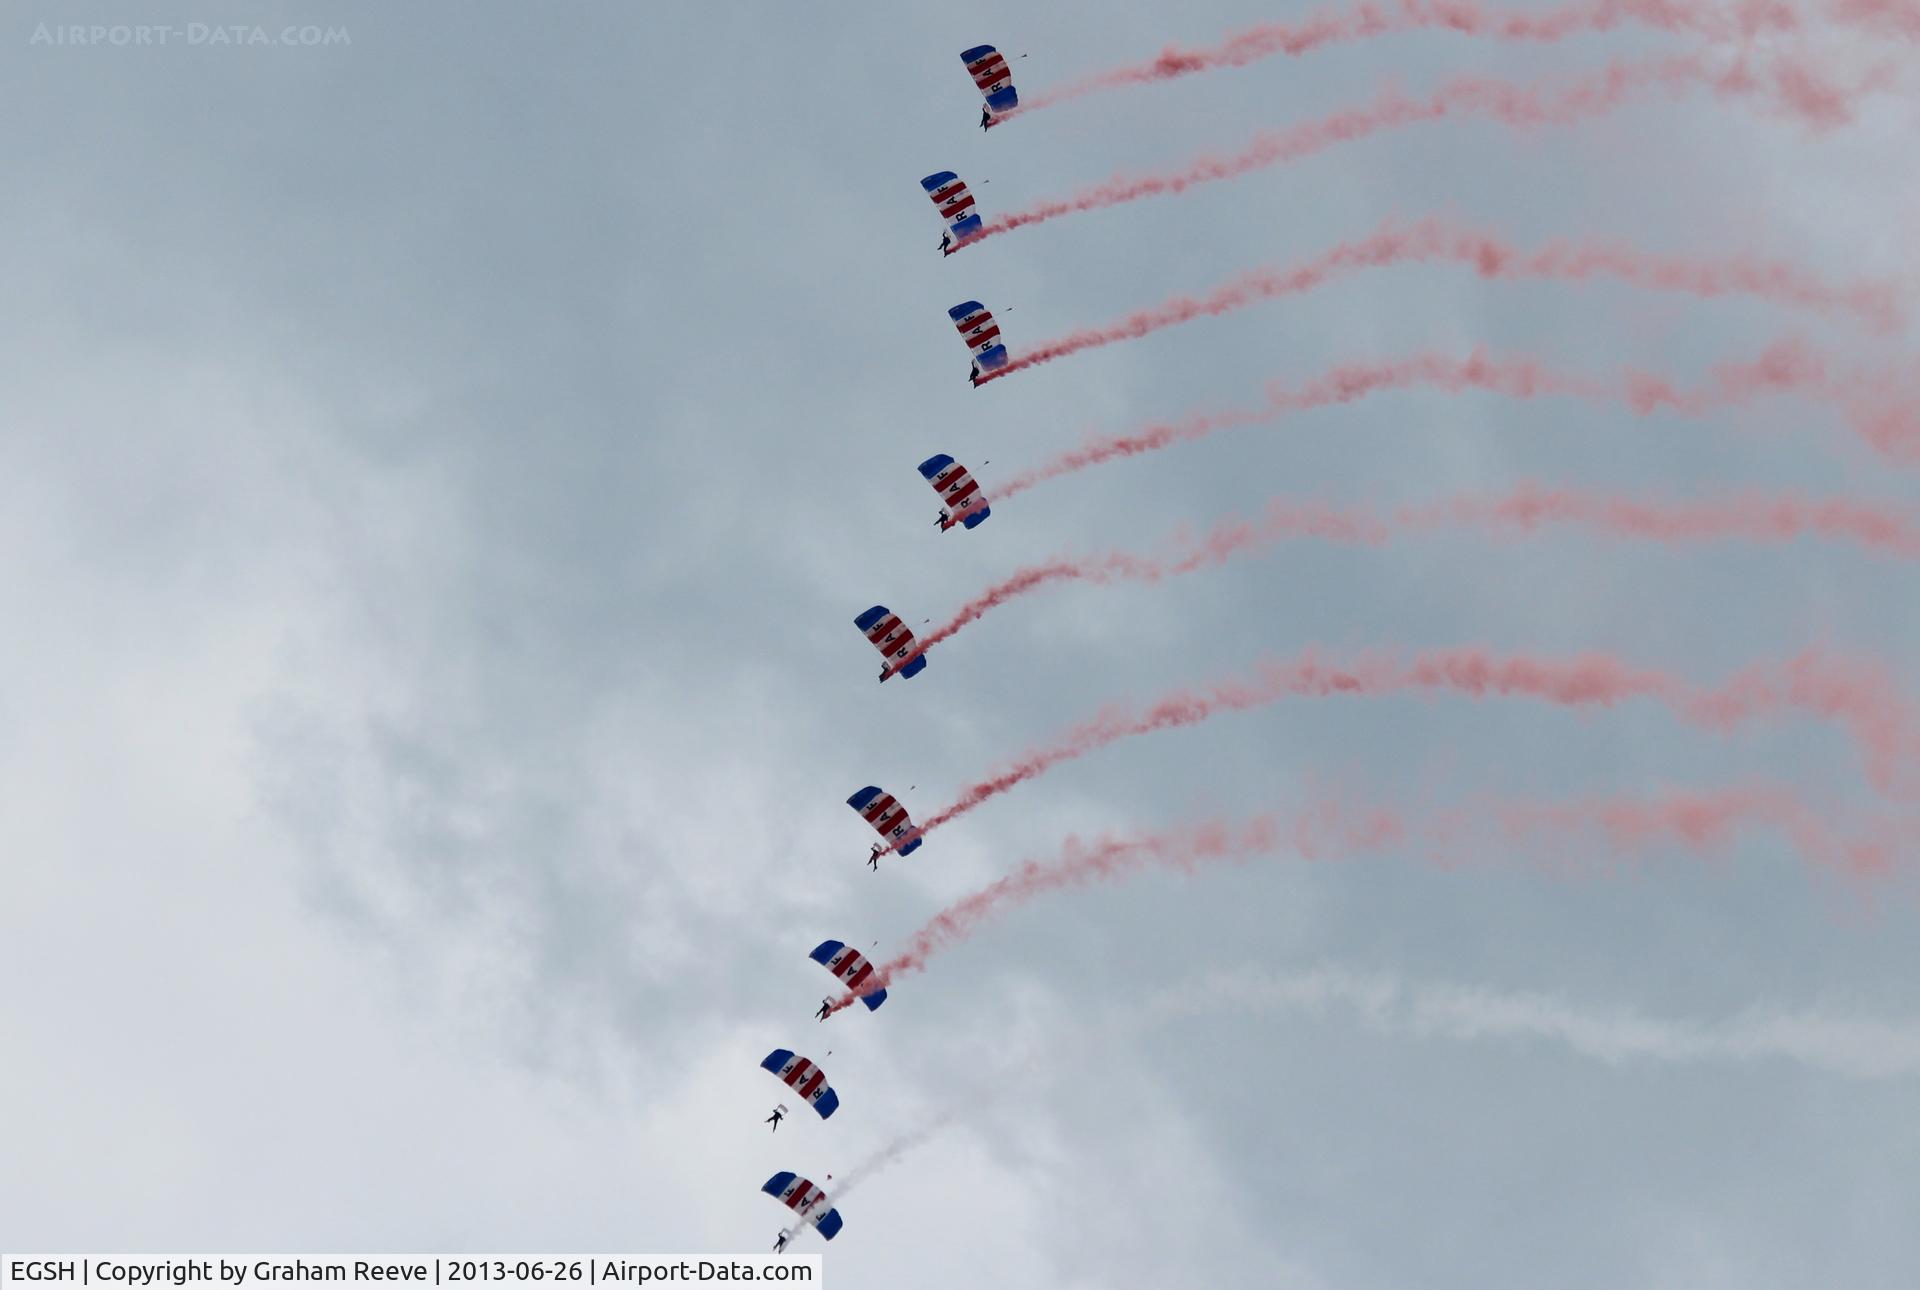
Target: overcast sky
{"points": [[438, 473]]}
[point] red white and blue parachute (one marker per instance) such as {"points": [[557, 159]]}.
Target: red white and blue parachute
{"points": [[891, 637], [995, 79], [804, 1078], [981, 334], [959, 492], [949, 193], [888, 818], [805, 1200], [851, 966]]}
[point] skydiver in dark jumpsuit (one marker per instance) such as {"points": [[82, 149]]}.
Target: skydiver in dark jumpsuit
{"points": [[781, 1244], [826, 1006], [946, 241], [774, 1119], [873, 860], [986, 116]]}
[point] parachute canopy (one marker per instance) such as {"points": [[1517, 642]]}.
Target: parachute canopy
{"points": [[981, 334], [804, 1199], [888, 818], [804, 1078], [851, 966], [959, 492], [995, 79], [950, 194], [891, 637]]}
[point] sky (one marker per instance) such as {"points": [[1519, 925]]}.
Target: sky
{"points": [[438, 474]]}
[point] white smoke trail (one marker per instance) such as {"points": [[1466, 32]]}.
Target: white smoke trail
{"points": [[1852, 1047], [1848, 1046]]}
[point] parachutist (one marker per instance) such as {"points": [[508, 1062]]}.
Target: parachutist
{"points": [[886, 632], [774, 1119], [955, 204], [780, 1243], [873, 859], [995, 80], [808, 1204], [851, 969], [889, 819], [962, 504], [981, 335]]}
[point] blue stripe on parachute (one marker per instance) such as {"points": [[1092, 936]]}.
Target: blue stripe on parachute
{"points": [[934, 183], [968, 522], [830, 1224], [866, 621], [829, 1103], [776, 1059], [934, 465], [779, 1182]]}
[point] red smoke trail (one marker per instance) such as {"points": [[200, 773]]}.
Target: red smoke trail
{"points": [[1888, 17], [1795, 86], [1705, 821], [1366, 21], [1333, 828], [1435, 239], [1857, 695], [1883, 414], [1749, 517]]}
